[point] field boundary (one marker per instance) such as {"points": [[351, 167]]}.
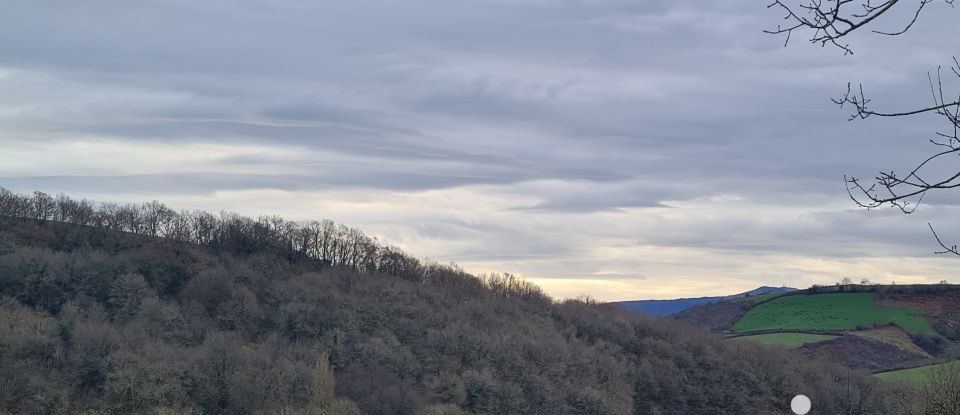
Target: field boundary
{"points": [[934, 363], [881, 288], [733, 335]]}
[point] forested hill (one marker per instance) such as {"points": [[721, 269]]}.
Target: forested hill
{"points": [[135, 309]]}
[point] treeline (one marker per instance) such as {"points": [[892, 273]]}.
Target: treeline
{"points": [[908, 289], [879, 289], [325, 241]]}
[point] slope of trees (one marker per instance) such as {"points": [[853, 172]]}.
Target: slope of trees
{"points": [[136, 310], [325, 241]]}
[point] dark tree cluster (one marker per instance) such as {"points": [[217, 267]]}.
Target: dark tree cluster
{"points": [[107, 319]]}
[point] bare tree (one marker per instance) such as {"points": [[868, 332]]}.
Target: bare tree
{"points": [[325, 241], [829, 22]]}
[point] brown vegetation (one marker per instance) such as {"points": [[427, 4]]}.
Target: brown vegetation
{"points": [[862, 352], [942, 307], [895, 336], [719, 316], [105, 317], [938, 396]]}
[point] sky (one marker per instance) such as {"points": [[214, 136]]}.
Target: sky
{"points": [[610, 148]]}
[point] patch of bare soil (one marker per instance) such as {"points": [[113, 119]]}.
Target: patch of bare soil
{"points": [[862, 352]]}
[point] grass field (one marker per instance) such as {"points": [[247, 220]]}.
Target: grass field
{"points": [[834, 311], [920, 375], [789, 340]]}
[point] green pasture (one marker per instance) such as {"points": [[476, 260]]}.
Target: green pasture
{"points": [[831, 311]]}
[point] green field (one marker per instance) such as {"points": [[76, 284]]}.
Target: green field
{"points": [[789, 340], [920, 375], [834, 311]]}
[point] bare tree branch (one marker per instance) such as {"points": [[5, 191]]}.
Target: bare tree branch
{"points": [[895, 190], [829, 21], [952, 249]]}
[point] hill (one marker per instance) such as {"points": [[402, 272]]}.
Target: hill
{"points": [[113, 311], [668, 307], [871, 327]]}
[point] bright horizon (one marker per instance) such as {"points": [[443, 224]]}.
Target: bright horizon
{"points": [[603, 148]]}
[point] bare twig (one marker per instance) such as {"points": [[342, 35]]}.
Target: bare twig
{"points": [[952, 249]]}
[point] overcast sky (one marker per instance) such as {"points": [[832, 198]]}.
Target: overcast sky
{"points": [[621, 149]]}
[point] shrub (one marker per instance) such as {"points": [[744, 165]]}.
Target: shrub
{"points": [[932, 343]]}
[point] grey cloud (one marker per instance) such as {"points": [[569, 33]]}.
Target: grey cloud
{"points": [[205, 183], [588, 196], [825, 234], [616, 105]]}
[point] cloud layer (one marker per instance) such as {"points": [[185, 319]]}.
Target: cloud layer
{"points": [[603, 147]]}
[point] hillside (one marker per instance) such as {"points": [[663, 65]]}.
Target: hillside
{"points": [[924, 374], [668, 307], [834, 311], [870, 327], [129, 320]]}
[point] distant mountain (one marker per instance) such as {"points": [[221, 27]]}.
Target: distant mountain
{"points": [[668, 307]]}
